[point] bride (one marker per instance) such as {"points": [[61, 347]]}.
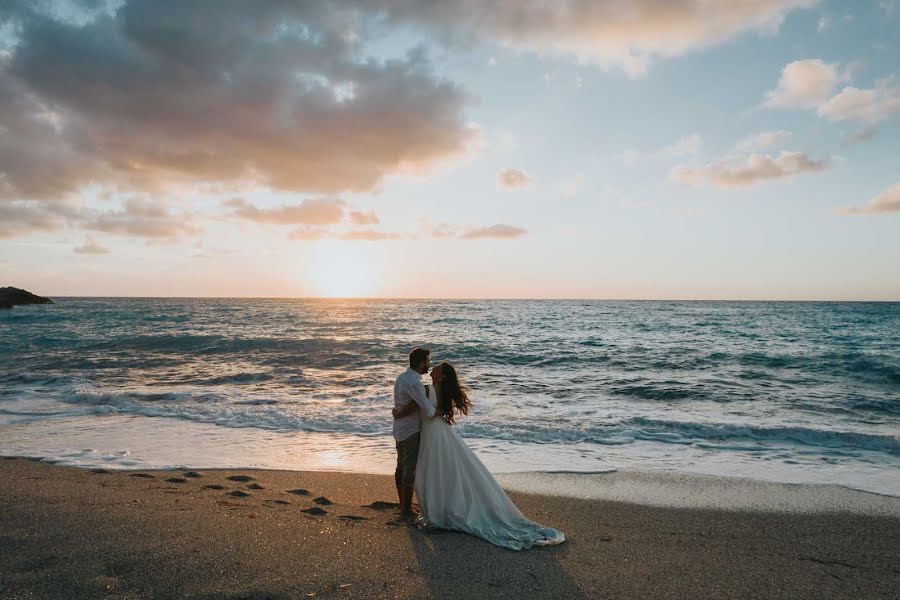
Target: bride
{"points": [[455, 489]]}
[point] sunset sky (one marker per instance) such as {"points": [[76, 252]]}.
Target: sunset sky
{"points": [[571, 149]]}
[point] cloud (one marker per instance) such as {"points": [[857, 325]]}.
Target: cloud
{"points": [[861, 135], [493, 232], [684, 146], [368, 235], [824, 23], [26, 217], [689, 144], [141, 218], [756, 168], [363, 218], [441, 230], [513, 178], [811, 84], [91, 247], [888, 202], [308, 234], [312, 211], [609, 33], [763, 140], [865, 105], [159, 93], [805, 84]]}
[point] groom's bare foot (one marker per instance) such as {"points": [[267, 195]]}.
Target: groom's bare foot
{"points": [[410, 516]]}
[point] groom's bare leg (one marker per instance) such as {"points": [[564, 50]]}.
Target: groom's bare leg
{"points": [[406, 509], [405, 477]]}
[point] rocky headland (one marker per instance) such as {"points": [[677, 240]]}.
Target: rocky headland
{"points": [[10, 296]]}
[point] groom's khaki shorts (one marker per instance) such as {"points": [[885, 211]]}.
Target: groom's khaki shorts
{"points": [[407, 455]]}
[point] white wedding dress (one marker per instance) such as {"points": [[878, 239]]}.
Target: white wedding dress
{"points": [[457, 492]]}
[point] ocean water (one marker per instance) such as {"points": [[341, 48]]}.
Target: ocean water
{"points": [[779, 391]]}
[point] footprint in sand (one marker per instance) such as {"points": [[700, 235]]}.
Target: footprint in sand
{"points": [[323, 501], [241, 478], [176, 480], [238, 494], [214, 486], [382, 505], [315, 510], [299, 492], [144, 475], [192, 474]]}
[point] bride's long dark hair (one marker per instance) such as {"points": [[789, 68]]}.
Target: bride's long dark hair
{"points": [[452, 396]]}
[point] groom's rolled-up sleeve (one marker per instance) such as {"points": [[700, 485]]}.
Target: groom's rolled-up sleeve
{"points": [[416, 391]]}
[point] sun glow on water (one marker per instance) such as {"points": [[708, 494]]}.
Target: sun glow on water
{"points": [[342, 269]]}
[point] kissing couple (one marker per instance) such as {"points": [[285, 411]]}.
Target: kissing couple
{"points": [[455, 490]]}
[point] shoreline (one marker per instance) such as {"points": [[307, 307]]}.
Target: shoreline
{"points": [[150, 442], [645, 487], [77, 533]]}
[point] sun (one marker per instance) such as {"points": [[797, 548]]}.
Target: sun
{"points": [[342, 269]]}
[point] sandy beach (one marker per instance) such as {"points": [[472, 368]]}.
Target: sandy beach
{"points": [[79, 533]]}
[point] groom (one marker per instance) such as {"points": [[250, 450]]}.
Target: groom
{"points": [[408, 388]]}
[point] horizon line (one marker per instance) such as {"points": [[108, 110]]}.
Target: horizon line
{"points": [[469, 298]]}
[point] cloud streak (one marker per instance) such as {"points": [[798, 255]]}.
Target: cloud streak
{"points": [[91, 247], [496, 232], [763, 140], [142, 218], [610, 33], [887, 202], [312, 211], [513, 179], [754, 169], [25, 217]]}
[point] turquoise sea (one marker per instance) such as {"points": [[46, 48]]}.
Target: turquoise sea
{"points": [[784, 391]]}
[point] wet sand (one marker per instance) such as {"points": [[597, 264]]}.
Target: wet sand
{"points": [[67, 532]]}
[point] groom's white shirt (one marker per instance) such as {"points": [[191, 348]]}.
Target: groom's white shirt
{"points": [[408, 388]]}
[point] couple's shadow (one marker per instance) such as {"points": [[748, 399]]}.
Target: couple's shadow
{"points": [[456, 565]]}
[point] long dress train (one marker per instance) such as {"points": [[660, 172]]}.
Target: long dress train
{"points": [[456, 491]]}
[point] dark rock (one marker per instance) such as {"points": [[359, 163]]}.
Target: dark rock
{"points": [[315, 510], [214, 486], [192, 474], [255, 486], [240, 478], [99, 471], [144, 475], [323, 501], [353, 517], [238, 494], [10, 296], [176, 480], [299, 492]]}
